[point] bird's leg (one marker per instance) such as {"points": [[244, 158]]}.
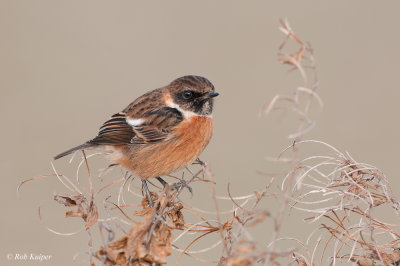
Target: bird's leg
{"points": [[146, 189], [162, 181], [157, 216], [177, 185]]}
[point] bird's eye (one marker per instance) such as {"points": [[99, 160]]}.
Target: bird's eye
{"points": [[187, 95]]}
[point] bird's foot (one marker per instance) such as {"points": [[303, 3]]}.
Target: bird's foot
{"points": [[182, 184], [178, 185], [198, 161]]}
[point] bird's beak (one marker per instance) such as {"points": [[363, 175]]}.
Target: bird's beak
{"points": [[211, 95], [207, 96]]}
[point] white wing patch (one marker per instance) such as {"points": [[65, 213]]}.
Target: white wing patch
{"points": [[135, 122]]}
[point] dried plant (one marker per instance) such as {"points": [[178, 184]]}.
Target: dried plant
{"points": [[342, 195], [339, 195]]}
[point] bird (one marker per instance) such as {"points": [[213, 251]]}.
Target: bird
{"points": [[161, 132]]}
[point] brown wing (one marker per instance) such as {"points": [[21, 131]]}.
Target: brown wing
{"points": [[115, 131], [146, 134], [158, 125]]}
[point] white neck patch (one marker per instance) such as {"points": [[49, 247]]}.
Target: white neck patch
{"points": [[185, 113]]}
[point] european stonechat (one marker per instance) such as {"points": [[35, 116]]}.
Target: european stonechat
{"points": [[160, 132]]}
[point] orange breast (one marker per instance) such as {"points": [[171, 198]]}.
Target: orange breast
{"points": [[151, 160]]}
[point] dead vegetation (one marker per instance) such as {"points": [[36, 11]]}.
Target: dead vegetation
{"points": [[339, 195], [342, 196]]}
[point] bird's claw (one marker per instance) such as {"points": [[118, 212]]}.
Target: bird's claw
{"points": [[198, 161], [178, 185], [182, 184]]}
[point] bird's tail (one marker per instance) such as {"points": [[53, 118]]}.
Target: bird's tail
{"points": [[80, 147]]}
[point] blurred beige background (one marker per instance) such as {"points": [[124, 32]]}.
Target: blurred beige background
{"points": [[66, 66]]}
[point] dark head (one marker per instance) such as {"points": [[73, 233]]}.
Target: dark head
{"points": [[193, 94]]}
